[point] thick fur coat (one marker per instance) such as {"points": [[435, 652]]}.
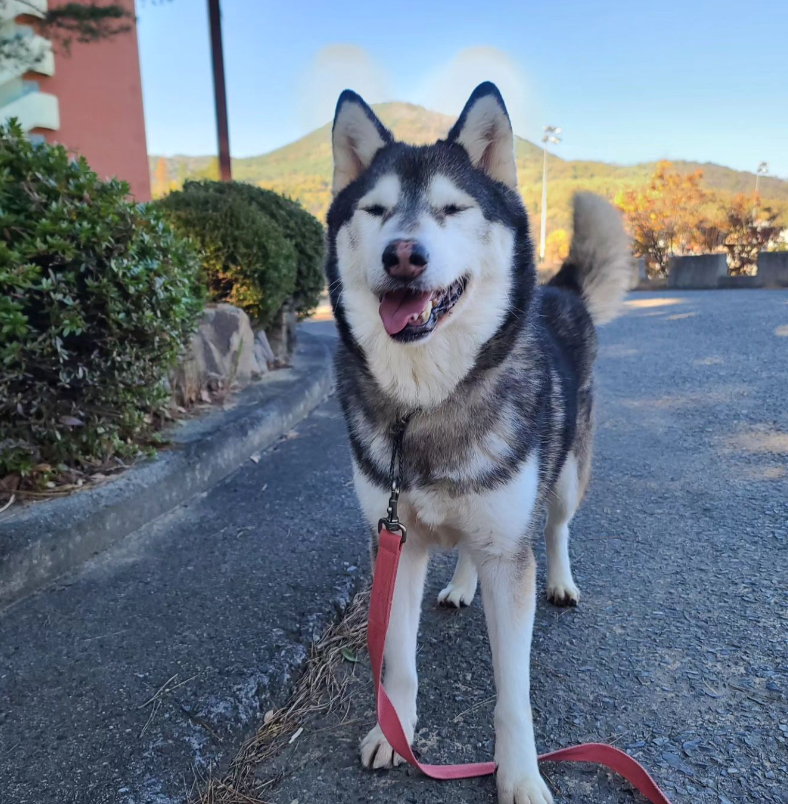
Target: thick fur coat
{"points": [[441, 323]]}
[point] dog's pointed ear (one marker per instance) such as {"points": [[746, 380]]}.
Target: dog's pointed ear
{"points": [[485, 132], [356, 137]]}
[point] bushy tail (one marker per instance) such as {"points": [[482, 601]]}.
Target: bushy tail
{"points": [[599, 266]]}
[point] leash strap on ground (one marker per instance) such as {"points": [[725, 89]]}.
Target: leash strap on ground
{"points": [[386, 566]]}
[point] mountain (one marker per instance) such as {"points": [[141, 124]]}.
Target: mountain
{"points": [[302, 169]]}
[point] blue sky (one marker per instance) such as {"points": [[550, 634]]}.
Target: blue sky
{"points": [[628, 81]]}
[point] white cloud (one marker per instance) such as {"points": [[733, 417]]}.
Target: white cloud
{"points": [[447, 88], [334, 68]]}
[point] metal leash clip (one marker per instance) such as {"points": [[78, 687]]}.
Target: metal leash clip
{"points": [[391, 521]]}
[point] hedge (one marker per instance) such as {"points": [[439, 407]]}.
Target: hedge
{"points": [[98, 296], [259, 281]]}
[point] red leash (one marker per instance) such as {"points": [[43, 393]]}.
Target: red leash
{"points": [[386, 567]]}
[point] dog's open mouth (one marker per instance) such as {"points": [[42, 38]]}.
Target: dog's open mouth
{"points": [[409, 315]]}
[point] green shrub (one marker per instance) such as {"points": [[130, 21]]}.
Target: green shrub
{"points": [[247, 259], [97, 298], [303, 231]]}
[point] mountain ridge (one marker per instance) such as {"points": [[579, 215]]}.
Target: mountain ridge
{"points": [[302, 169]]}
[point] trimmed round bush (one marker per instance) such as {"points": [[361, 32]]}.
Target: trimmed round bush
{"points": [[247, 259], [301, 229], [97, 299]]}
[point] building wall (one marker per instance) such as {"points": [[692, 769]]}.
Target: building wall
{"points": [[99, 95]]}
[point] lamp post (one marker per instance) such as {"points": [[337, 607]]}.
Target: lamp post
{"points": [[219, 90], [763, 170], [550, 135]]}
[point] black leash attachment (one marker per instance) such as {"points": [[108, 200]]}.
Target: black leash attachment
{"points": [[391, 521]]}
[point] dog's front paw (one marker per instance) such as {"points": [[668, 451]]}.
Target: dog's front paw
{"points": [[563, 592], [377, 753], [524, 790], [457, 595]]}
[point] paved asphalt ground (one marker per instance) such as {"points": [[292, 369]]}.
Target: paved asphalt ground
{"points": [[678, 651]]}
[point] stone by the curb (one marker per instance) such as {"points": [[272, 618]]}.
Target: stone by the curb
{"points": [[263, 351], [222, 353], [281, 334]]}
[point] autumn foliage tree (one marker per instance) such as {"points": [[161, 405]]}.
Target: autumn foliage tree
{"points": [[557, 246], [666, 216], [160, 185], [748, 229]]}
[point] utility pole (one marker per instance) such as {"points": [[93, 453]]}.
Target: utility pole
{"points": [[550, 135], [220, 90]]}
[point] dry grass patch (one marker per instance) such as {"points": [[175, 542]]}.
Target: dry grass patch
{"points": [[322, 689]]}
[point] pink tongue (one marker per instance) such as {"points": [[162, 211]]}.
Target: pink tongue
{"points": [[398, 306]]}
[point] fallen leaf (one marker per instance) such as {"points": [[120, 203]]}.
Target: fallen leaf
{"points": [[72, 421], [255, 458], [268, 716], [348, 655]]}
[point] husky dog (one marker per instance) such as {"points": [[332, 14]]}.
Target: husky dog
{"points": [[442, 325]]}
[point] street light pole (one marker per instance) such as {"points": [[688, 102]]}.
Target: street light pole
{"points": [[763, 169], [220, 90], [550, 135]]}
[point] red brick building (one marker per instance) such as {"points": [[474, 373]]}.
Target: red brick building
{"points": [[89, 100]]}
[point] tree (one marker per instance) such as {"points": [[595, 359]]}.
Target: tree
{"points": [[83, 22], [749, 228], [666, 215], [557, 246], [161, 179]]}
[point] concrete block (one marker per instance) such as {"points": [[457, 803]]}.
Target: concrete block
{"points": [[639, 273], [699, 272], [739, 282], [773, 269]]}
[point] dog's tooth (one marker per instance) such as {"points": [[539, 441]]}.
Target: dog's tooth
{"points": [[425, 314]]}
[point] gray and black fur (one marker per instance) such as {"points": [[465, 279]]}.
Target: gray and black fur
{"points": [[443, 327], [535, 372]]}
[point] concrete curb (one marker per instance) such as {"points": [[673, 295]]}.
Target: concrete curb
{"points": [[46, 540]]}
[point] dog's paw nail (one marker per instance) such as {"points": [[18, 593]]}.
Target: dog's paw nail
{"points": [[532, 790], [377, 753], [456, 597], [563, 594]]}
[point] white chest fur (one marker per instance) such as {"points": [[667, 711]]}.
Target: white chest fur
{"points": [[491, 523]]}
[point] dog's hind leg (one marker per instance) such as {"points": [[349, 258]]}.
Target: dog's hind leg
{"points": [[562, 504], [399, 679], [462, 587]]}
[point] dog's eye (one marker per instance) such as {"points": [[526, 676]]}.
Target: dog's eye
{"points": [[376, 210], [453, 209]]}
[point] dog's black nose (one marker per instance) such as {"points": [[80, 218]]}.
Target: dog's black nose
{"points": [[404, 259]]}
